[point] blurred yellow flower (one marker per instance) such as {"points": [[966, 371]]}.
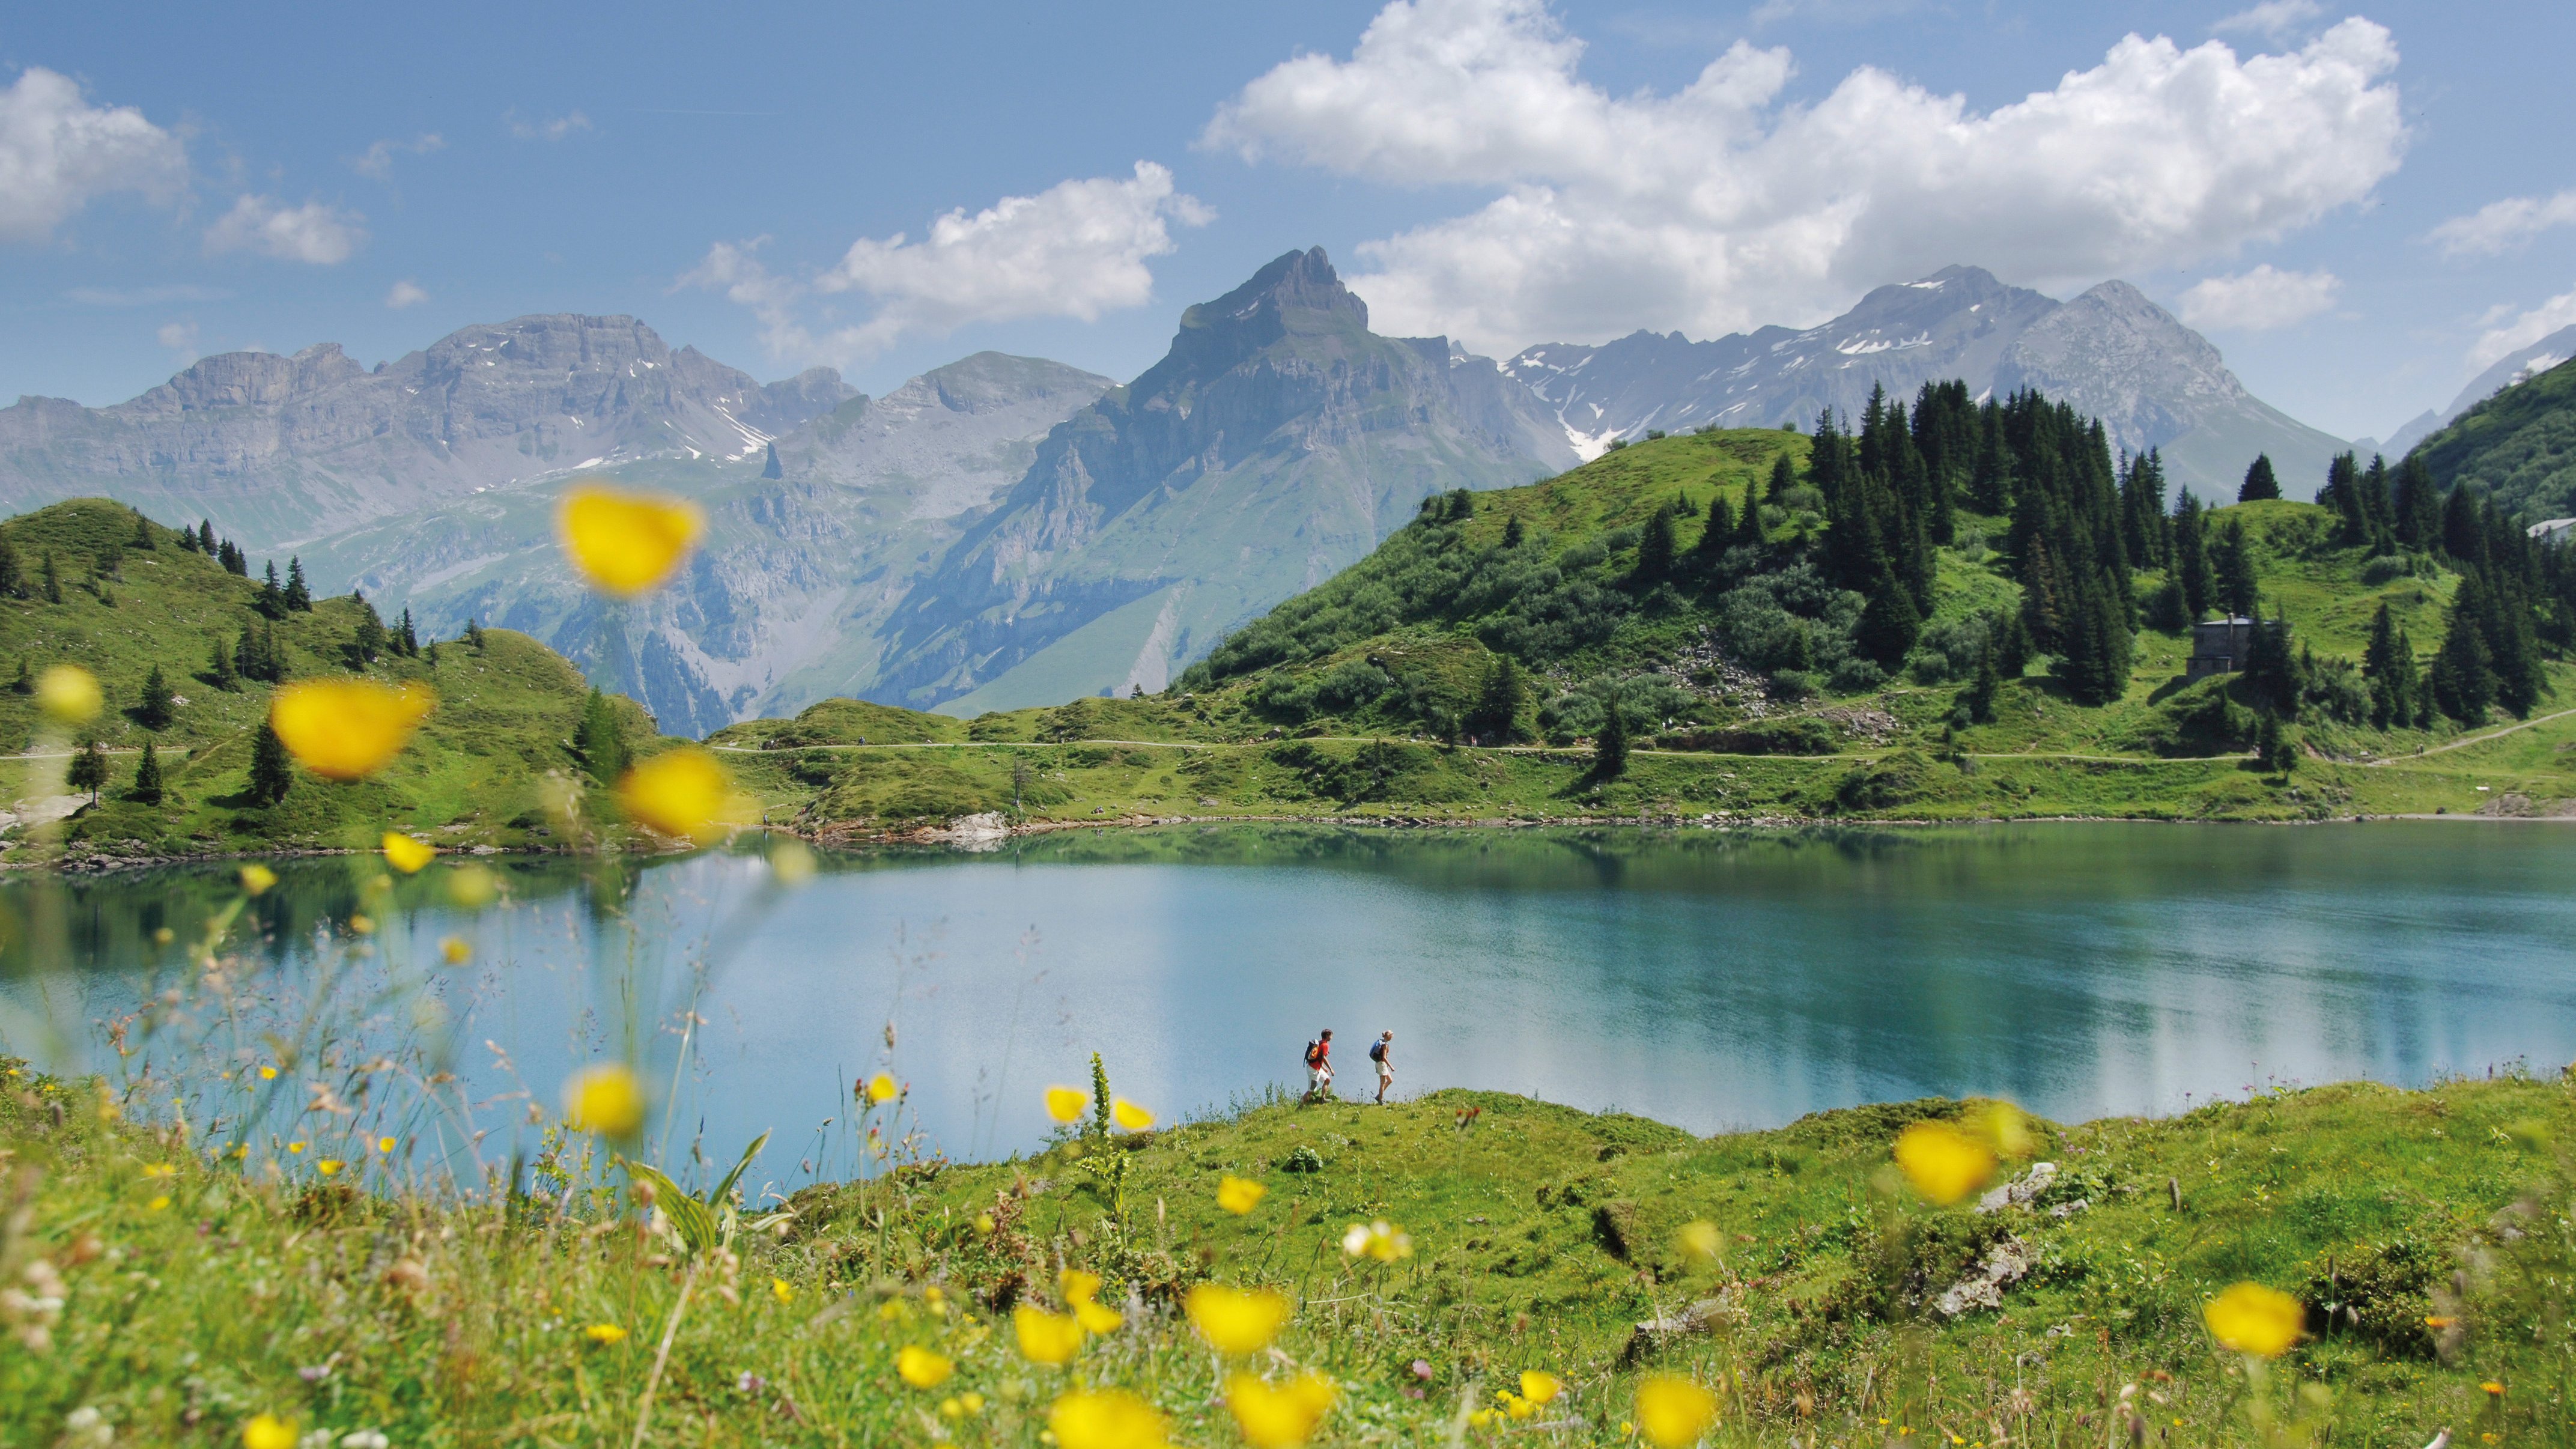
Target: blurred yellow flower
{"points": [[268, 1074], [1128, 1115], [606, 1099], [1234, 1320], [1096, 1319], [685, 792], [472, 887], [295, 1147], [328, 1167], [1105, 1419], [921, 1368], [1380, 1240], [1047, 1338], [604, 1333], [69, 694], [1282, 1417], [267, 1431], [1674, 1411], [158, 1203], [455, 950], [256, 879], [384, 1144], [1701, 1240], [347, 729], [1944, 1163], [406, 854], [1065, 1104], [791, 862], [1077, 1286], [1239, 1195], [2251, 1318], [363, 925], [626, 544], [782, 1290], [881, 1087], [2003, 1127], [1539, 1386]]}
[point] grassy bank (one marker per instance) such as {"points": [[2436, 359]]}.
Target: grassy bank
{"points": [[2422, 1230]]}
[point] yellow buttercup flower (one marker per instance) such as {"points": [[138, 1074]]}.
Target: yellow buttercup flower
{"points": [[363, 925], [1282, 1417], [69, 695], [384, 1144], [1066, 1104], [406, 854], [1128, 1115], [1380, 1240], [267, 1431], [472, 887], [1233, 1320], [1944, 1163], [1105, 1419], [1077, 1286], [685, 792], [1539, 1386], [782, 1290], [626, 544], [1047, 1338], [268, 1074], [881, 1087], [1239, 1195], [604, 1333], [1701, 1240], [2003, 1127], [606, 1099], [455, 950], [347, 729], [2251, 1318], [328, 1167], [921, 1368], [1096, 1319], [1674, 1411], [256, 879]]}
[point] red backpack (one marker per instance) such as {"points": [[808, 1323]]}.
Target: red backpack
{"points": [[1314, 1053]]}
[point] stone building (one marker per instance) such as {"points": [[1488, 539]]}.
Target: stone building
{"points": [[2222, 646]]}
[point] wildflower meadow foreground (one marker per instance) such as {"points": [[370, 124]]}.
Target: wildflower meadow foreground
{"points": [[271, 1222]]}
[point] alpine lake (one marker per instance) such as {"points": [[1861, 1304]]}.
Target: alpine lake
{"points": [[1707, 978]]}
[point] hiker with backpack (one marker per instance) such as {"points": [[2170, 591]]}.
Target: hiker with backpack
{"points": [[1319, 1065], [1379, 1053]]}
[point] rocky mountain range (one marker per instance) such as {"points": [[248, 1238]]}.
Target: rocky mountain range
{"points": [[2111, 352], [284, 450], [2519, 366]]}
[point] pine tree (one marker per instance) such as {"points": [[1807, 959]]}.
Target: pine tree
{"points": [[2191, 566], [1610, 747], [2260, 483], [272, 771], [152, 711], [406, 638], [2388, 664], [1889, 624], [433, 654], [1496, 718], [770, 468], [88, 770], [599, 744], [147, 778], [2270, 675], [2418, 504], [474, 629], [1513, 533], [53, 580], [271, 601], [25, 683], [2239, 590], [1716, 536], [1656, 549], [299, 596], [226, 674], [2273, 749], [2462, 537], [1784, 476], [2463, 677], [1978, 699], [206, 537], [13, 576], [235, 562], [369, 643], [188, 537], [142, 533]]}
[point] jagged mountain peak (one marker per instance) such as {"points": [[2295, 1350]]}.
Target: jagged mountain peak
{"points": [[1299, 288]]}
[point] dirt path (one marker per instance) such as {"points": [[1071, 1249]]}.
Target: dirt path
{"points": [[2466, 740]]}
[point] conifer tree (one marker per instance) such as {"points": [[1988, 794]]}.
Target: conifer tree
{"points": [[153, 709], [206, 537], [601, 748], [188, 537], [235, 562], [1610, 747], [299, 595], [271, 601], [2418, 504], [2260, 482], [142, 532], [2462, 537], [147, 778], [2270, 675], [225, 672], [406, 639], [2273, 749], [2191, 565], [2463, 676], [272, 771], [368, 645], [474, 629], [88, 770], [1513, 533], [25, 683], [2239, 590], [1496, 719], [1655, 549], [13, 576], [1717, 536], [2388, 665], [1889, 624], [1978, 699]]}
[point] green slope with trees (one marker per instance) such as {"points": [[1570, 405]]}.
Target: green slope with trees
{"points": [[2518, 446], [188, 646], [1955, 610]]}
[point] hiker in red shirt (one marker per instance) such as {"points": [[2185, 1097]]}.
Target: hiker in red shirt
{"points": [[1319, 1065]]}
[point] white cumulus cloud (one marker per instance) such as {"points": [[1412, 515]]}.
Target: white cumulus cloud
{"points": [[2273, 18], [315, 232], [2522, 331], [549, 128], [2259, 300], [2500, 226], [405, 293], [1717, 206], [181, 338], [1077, 249], [377, 161], [57, 151]]}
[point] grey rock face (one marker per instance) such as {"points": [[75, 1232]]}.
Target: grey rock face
{"points": [[2111, 352], [282, 450]]}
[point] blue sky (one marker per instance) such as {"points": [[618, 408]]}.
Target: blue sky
{"points": [[2356, 205]]}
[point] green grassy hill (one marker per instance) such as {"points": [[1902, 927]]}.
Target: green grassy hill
{"points": [[1745, 703], [2422, 1233], [2519, 446], [476, 774]]}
